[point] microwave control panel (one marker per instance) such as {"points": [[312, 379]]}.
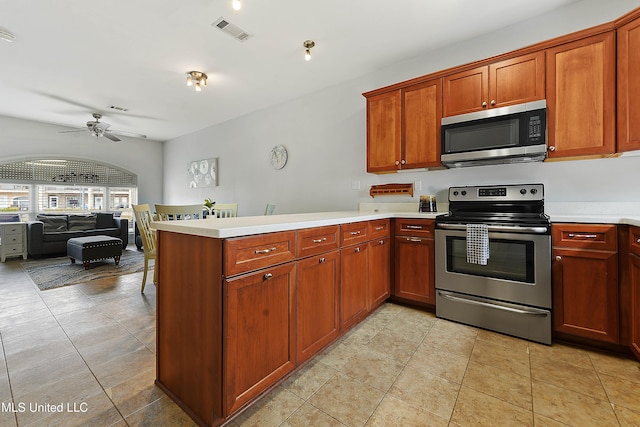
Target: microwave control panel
{"points": [[537, 125]]}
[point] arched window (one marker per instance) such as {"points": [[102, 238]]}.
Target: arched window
{"points": [[33, 186]]}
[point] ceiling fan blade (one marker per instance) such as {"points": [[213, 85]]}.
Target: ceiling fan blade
{"points": [[123, 133], [72, 131], [114, 138]]}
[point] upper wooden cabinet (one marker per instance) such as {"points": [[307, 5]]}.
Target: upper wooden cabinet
{"points": [[383, 132], [629, 86], [503, 83], [403, 128], [581, 97]]}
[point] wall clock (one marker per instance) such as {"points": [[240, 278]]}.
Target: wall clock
{"points": [[278, 156]]}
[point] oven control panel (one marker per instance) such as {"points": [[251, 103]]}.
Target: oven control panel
{"points": [[512, 192]]}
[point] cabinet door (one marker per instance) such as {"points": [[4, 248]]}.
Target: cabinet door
{"points": [[317, 309], [379, 272], [259, 332], [629, 86], [517, 80], [414, 269], [353, 285], [634, 265], [585, 294], [383, 132], [421, 121], [581, 97], [466, 92]]}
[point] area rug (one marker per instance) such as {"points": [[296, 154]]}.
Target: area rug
{"points": [[49, 273]]}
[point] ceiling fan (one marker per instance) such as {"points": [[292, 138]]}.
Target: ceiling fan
{"points": [[98, 129]]}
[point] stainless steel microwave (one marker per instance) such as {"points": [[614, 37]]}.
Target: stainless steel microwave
{"points": [[512, 134]]}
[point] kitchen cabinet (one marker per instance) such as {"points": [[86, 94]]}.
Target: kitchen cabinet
{"points": [[403, 128], [628, 59], [353, 285], [581, 101], [634, 279], [379, 264], [260, 325], [318, 317], [585, 281], [415, 260], [508, 82], [383, 132]]}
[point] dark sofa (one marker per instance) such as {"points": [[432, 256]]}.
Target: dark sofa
{"points": [[50, 232]]}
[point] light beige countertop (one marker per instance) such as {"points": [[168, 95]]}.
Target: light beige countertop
{"points": [[603, 213]]}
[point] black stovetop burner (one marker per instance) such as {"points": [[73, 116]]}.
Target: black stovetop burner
{"points": [[521, 205]]}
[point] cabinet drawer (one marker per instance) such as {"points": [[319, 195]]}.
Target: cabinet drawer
{"points": [[634, 240], [585, 236], [12, 229], [15, 248], [245, 254], [415, 227], [379, 229], [8, 239], [313, 241], [354, 233]]}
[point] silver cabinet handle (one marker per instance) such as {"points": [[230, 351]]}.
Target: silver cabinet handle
{"points": [[380, 228], [397, 162], [484, 104], [638, 241], [355, 233], [552, 148], [381, 242], [265, 251], [403, 161], [324, 239], [413, 227], [322, 260], [582, 236], [493, 102], [356, 250], [413, 239], [558, 258], [268, 276]]}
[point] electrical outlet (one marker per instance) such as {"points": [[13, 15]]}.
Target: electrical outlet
{"points": [[417, 186], [355, 185]]}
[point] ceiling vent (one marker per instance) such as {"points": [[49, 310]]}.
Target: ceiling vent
{"points": [[231, 29], [115, 107]]}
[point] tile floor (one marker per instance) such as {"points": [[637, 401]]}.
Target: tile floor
{"points": [[92, 346]]}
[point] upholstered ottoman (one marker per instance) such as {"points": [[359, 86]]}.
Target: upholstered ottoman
{"points": [[94, 248]]}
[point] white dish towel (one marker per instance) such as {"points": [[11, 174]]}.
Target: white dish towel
{"points": [[477, 244]]}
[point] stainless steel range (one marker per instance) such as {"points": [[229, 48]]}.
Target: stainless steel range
{"points": [[493, 260]]}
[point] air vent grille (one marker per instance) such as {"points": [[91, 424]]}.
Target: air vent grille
{"points": [[231, 29]]}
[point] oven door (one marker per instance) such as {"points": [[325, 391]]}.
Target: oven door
{"points": [[517, 271]]}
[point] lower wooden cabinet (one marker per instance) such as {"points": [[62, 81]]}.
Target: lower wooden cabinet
{"points": [[585, 281], [378, 272], [260, 325], [317, 312], [634, 280], [414, 277], [353, 284]]}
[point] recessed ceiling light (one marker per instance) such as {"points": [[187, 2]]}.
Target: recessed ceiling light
{"points": [[7, 36]]}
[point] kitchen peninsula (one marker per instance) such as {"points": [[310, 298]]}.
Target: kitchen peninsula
{"points": [[242, 302]]}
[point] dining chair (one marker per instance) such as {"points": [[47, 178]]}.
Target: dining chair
{"points": [[143, 216], [178, 212], [225, 210], [269, 209]]}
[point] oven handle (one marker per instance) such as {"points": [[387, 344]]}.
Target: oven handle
{"points": [[529, 312], [536, 230]]}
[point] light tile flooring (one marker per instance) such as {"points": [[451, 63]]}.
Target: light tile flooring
{"points": [[92, 346]]}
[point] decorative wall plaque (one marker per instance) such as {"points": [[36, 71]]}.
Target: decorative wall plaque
{"points": [[203, 173]]}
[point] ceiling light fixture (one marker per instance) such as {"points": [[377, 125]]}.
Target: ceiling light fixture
{"points": [[197, 79], [236, 4], [307, 49], [7, 36]]}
